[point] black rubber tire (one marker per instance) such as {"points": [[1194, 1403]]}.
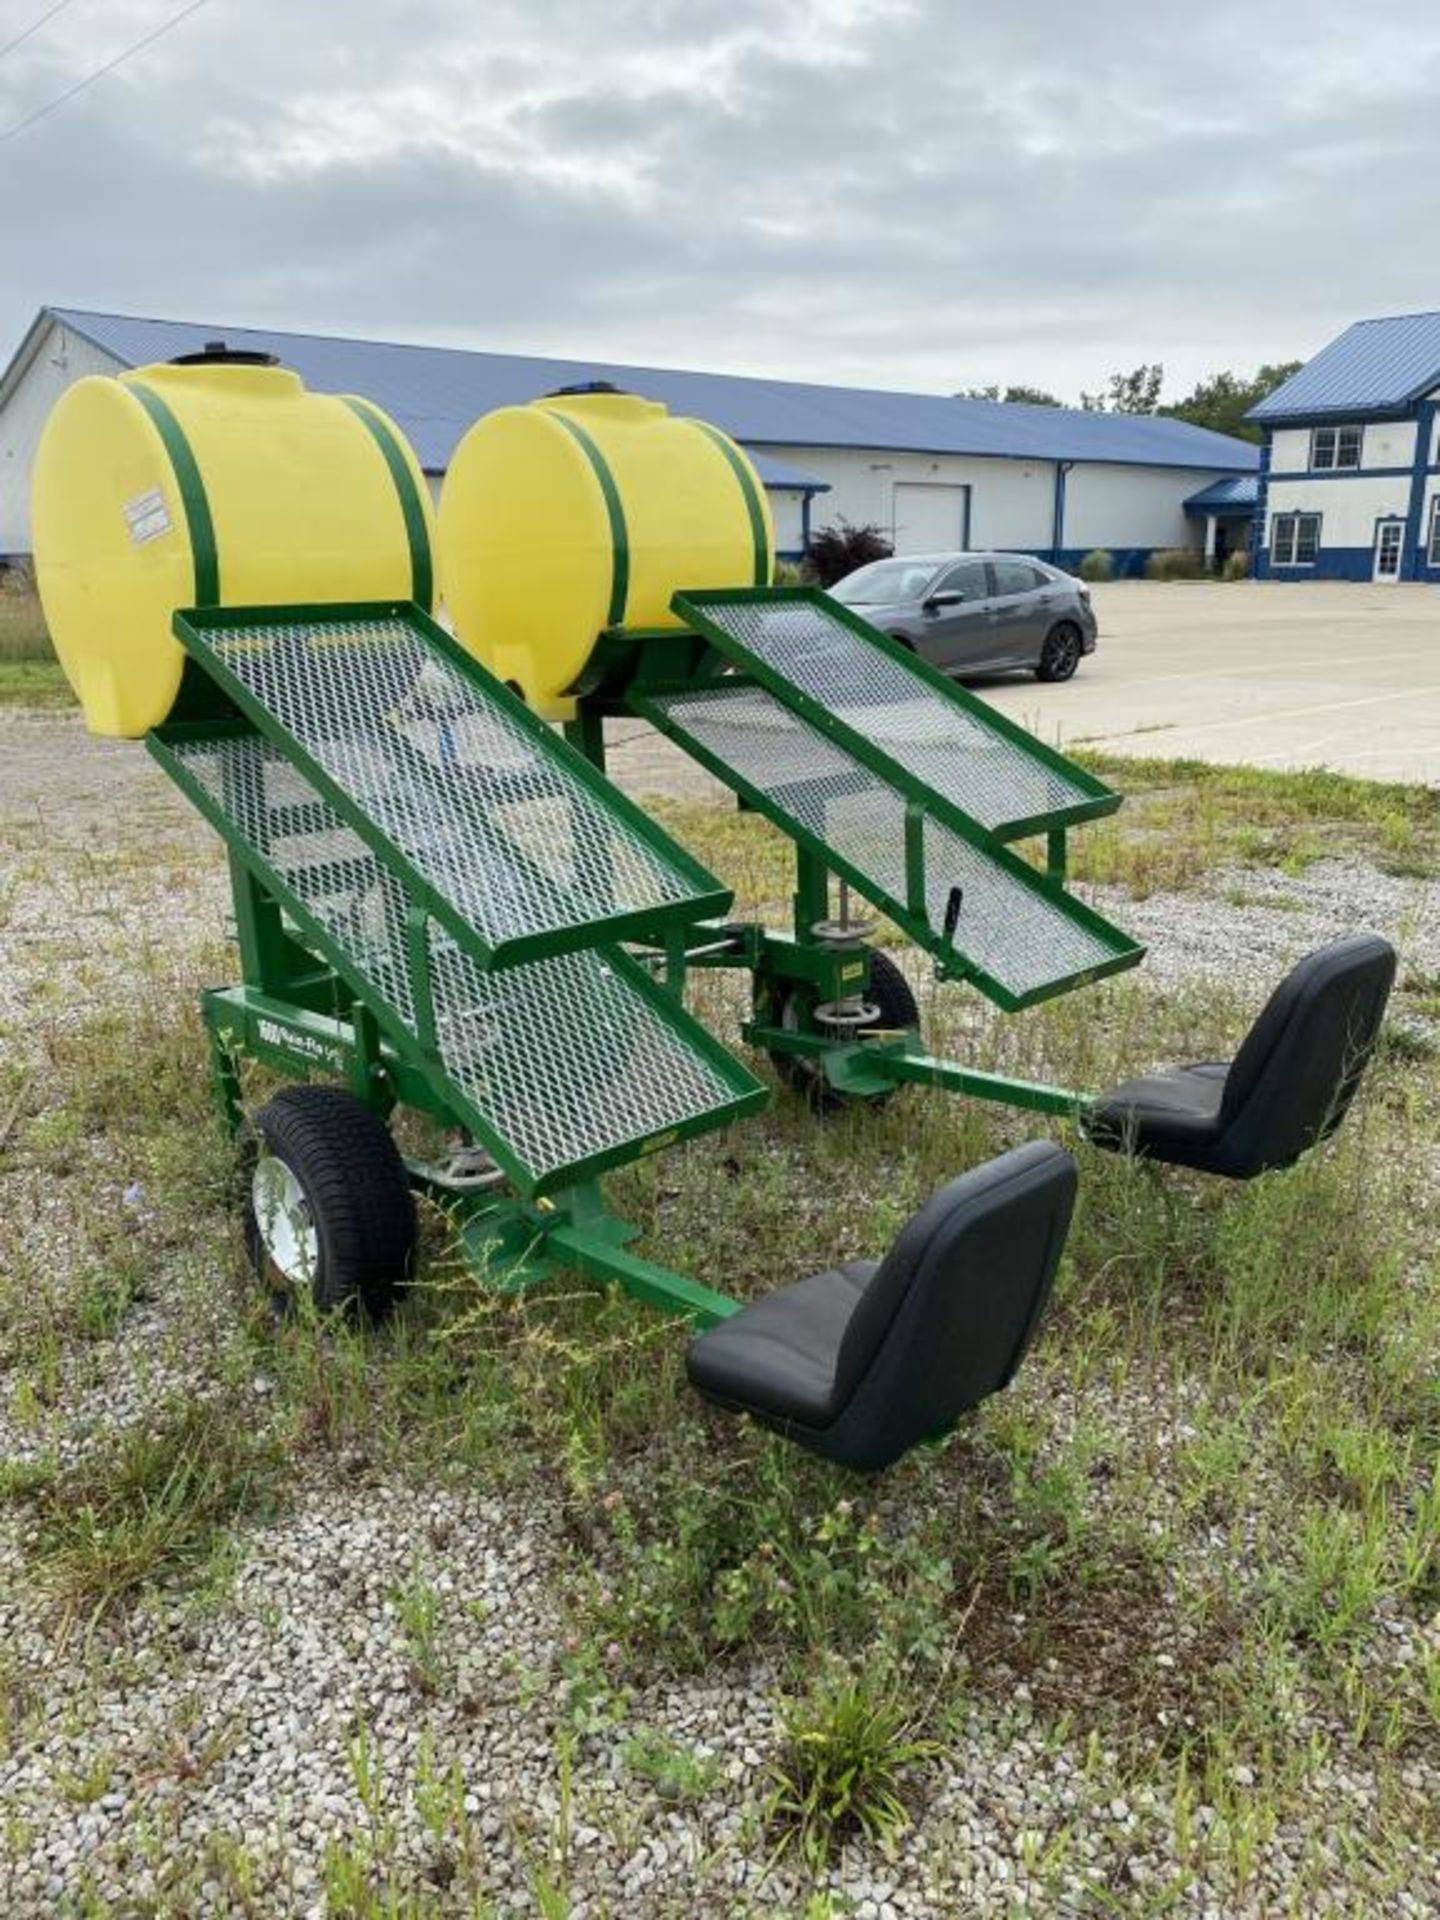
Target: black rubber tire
{"points": [[1060, 655], [358, 1192], [779, 1000]]}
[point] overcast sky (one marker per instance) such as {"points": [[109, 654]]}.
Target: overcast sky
{"points": [[896, 193]]}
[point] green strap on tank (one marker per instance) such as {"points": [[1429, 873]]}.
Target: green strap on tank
{"points": [[192, 494], [753, 506], [422, 570], [619, 532]]}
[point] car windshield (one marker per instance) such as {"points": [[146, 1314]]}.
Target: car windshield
{"points": [[885, 582]]}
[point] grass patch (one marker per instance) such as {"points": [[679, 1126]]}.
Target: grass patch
{"points": [[151, 1505], [34, 683], [30, 675], [23, 634], [1182, 819]]}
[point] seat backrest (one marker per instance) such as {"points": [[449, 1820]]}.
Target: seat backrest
{"points": [[950, 1311], [1296, 1073]]}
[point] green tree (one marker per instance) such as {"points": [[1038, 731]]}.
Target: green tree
{"points": [[1222, 401], [1135, 392], [1012, 396]]}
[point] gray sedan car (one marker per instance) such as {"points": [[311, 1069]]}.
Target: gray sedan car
{"points": [[977, 612]]}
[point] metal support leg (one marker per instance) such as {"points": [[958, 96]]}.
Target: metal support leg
{"points": [[812, 893], [586, 733]]}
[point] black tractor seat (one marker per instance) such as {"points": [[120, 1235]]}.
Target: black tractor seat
{"points": [[1288, 1087], [864, 1361]]}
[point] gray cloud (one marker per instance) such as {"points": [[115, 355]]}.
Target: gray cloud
{"points": [[924, 195]]}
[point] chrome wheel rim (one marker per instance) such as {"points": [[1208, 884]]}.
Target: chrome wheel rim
{"points": [[284, 1221]]}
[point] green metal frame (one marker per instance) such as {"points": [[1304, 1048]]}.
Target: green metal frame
{"points": [[305, 1005]]}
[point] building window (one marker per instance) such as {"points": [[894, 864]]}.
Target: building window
{"points": [[1294, 539], [1433, 555], [1332, 447]]}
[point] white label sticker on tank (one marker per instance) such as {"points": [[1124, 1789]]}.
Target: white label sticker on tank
{"points": [[148, 515]]}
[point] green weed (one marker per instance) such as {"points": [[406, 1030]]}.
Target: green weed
{"points": [[845, 1768]]}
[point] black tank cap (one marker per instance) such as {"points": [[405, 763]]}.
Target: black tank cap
{"points": [[215, 353]]}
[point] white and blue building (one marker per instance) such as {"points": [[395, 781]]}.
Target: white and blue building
{"points": [[1349, 481], [931, 471]]}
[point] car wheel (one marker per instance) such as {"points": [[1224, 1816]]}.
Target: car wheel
{"points": [[1060, 655]]}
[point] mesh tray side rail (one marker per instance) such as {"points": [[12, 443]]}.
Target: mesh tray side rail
{"points": [[704, 898], [1104, 798], [910, 902], [693, 606], [711, 898]]}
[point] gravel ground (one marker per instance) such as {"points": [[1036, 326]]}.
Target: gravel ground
{"points": [[229, 1722]]}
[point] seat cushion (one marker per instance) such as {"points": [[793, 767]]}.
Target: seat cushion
{"points": [[776, 1357], [1169, 1114]]}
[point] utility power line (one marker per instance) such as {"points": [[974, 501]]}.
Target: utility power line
{"points": [[34, 27], [128, 53]]}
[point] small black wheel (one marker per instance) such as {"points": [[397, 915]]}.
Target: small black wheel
{"points": [[329, 1208], [788, 1003], [1060, 655]]}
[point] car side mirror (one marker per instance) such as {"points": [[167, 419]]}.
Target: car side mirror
{"points": [[938, 602]]}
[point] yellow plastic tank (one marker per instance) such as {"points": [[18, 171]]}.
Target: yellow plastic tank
{"points": [[583, 513], [218, 482]]}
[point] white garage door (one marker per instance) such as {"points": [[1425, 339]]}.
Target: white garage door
{"points": [[929, 516]]}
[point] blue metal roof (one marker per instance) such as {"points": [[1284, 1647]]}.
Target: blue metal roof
{"points": [[1376, 366], [779, 473], [1236, 493], [434, 393]]}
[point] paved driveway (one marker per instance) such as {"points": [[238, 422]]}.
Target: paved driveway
{"points": [[1274, 675]]}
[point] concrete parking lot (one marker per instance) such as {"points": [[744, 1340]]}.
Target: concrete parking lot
{"points": [[1269, 674]]}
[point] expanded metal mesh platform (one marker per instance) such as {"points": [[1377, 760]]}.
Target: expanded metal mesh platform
{"points": [[1024, 937], [471, 799], [864, 690], [560, 1063]]}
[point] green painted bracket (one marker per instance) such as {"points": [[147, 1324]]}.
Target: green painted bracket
{"points": [[875, 1066]]}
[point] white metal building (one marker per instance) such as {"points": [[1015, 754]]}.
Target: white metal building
{"points": [[1349, 485], [930, 471]]}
